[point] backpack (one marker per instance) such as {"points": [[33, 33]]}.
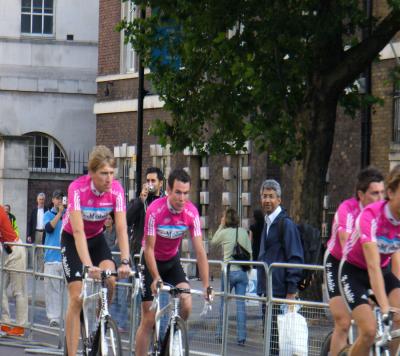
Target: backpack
{"points": [[311, 241]]}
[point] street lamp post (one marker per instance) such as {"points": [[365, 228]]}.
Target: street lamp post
{"points": [[139, 126]]}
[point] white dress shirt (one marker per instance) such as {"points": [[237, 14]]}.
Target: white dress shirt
{"points": [[269, 219], [39, 220]]}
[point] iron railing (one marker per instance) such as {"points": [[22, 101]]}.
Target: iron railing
{"points": [[75, 162]]}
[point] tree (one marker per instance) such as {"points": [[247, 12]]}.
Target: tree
{"points": [[268, 71]]}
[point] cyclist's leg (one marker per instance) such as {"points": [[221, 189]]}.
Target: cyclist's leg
{"points": [[392, 286], [72, 326], [72, 266], [186, 301], [174, 274], [366, 323], [101, 256], [147, 319], [144, 331], [337, 305], [354, 285], [109, 265], [342, 321]]}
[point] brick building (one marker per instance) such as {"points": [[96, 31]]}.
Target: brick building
{"points": [[235, 176]]}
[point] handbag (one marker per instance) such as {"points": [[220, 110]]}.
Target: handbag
{"points": [[240, 253]]}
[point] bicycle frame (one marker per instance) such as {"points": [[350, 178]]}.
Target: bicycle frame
{"points": [[101, 315]]}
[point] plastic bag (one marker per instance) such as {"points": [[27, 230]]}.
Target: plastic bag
{"points": [[251, 289], [293, 334]]}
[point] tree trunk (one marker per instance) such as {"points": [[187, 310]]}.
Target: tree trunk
{"points": [[310, 172]]}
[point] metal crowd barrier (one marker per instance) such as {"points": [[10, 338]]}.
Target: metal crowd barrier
{"points": [[203, 331]]}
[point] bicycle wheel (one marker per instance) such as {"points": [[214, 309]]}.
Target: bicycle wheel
{"points": [[177, 344], [326, 345], [111, 346]]}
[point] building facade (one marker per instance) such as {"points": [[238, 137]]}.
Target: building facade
{"points": [[48, 66], [229, 180]]}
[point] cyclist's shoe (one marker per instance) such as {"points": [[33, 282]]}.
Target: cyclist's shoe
{"points": [[5, 328], [16, 331]]}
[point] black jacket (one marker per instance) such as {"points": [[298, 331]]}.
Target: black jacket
{"points": [[284, 281], [135, 214], [31, 229]]}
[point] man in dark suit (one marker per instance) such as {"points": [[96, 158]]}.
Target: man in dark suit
{"points": [[35, 230], [136, 211]]}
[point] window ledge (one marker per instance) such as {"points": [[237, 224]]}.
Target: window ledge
{"points": [[112, 77]]}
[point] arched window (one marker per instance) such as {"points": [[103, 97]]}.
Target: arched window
{"points": [[45, 153]]}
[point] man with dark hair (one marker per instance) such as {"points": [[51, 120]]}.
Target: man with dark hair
{"points": [[52, 258], [167, 220], [136, 211]]}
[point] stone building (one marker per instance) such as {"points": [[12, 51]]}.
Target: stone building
{"points": [[48, 66]]}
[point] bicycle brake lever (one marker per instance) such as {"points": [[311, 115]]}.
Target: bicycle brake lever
{"points": [[153, 305]]}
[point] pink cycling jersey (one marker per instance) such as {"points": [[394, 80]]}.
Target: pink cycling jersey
{"points": [[94, 206], [374, 224], [344, 220], [169, 227]]}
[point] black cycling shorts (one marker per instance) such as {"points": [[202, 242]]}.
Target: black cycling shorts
{"points": [[331, 265], [72, 265], [170, 271], [354, 284]]}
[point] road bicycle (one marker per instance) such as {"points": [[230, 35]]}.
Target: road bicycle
{"points": [[99, 332], [384, 334], [175, 342]]}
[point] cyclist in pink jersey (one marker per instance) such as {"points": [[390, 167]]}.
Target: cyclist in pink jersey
{"points": [[369, 189], [90, 199], [167, 220], [374, 242]]}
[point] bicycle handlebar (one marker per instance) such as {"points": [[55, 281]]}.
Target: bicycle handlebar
{"points": [[107, 273]]}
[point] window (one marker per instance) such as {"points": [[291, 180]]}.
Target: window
{"points": [[37, 17], [45, 153], [130, 60]]}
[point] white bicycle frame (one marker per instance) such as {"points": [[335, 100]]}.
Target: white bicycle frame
{"points": [[102, 294], [175, 304]]}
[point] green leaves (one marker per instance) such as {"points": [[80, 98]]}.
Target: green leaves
{"points": [[231, 71]]}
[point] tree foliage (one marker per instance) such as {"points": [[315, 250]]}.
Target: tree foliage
{"points": [[248, 69]]}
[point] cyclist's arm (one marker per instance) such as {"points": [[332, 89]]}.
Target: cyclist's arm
{"points": [[202, 261], [396, 264], [122, 234], [80, 237], [343, 236], [150, 258], [373, 259]]}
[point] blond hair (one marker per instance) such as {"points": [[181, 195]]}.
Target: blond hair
{"points": [[100, 156], [393, 179]]}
